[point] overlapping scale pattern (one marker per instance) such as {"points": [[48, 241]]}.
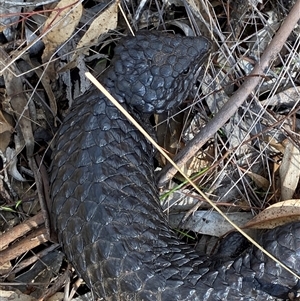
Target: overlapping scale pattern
{"points": [[105, 201]]}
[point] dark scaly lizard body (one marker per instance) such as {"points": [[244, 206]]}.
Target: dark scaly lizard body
{"points": [[105, 201]]}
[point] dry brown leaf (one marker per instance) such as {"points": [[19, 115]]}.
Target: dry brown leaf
{"points": [[60, 25], [5, 126], [274, 143], [259, 181], [4, 140], [276, 215], [289, 171], [18, 100], [107, 20], [6, 130], [195, 165]]}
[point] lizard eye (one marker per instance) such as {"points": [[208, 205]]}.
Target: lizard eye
{"points": [[186, 71]]}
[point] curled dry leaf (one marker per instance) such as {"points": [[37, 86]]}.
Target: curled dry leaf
{"points": [[259, 180], [11, 156], [60, 25], [289, 171], [276, 215]]}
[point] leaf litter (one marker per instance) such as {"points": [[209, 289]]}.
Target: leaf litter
{"points": [[249, 167]]}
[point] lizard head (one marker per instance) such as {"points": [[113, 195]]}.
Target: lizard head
{"points": [[154, 71]]}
